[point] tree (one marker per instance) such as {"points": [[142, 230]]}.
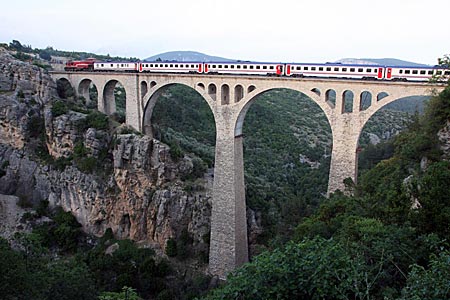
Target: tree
{"points": [[429, 284]]}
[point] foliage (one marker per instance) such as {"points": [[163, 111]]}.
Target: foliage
{"points": [[429, 284], [127, 293], [311, 269], [171, 247], [59, 108]]}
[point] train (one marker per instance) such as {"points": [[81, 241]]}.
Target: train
{"points": [[325, 70]]}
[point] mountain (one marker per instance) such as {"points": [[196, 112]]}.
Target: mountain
{"points": [[186, 56], [379, 61]]}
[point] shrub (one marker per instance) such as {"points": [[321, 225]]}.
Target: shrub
{"points": [[171, 247], [59, 108]]}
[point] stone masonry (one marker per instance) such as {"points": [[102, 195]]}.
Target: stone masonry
{"points": [[229, 98]]}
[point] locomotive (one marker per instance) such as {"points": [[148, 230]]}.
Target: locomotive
{"points": [[324, 70]]}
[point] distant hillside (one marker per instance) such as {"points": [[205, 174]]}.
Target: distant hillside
{"points": [[380, 61], [185, 56]]}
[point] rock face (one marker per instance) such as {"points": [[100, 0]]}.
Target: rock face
{"points": [[444, 138], [140, 193]]}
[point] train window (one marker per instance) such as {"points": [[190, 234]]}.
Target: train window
{"points": [[430, 72], [447, 73], [422, 72], [415, 71], [299, 68], [219, 66], [166, 65], [328, 69], [226, 66], [352, 69], [344, 69], [112, 65], [313, 68], [238, 66], [244, 67], [258, 67], [271, 67], [438, 72], [407, 71], [336, 69], [264, 67], [251, 67], [401, 71], [232, 66], [171, 65], [305, 68], [369, 70], [102, 65], [176, 66], [360, 70], [213, 66], [320, 68]]}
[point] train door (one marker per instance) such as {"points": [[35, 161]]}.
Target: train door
{"points": [[380, 73], [388, 73], [200, 68], [206, 68], [279, 70], [288, 70]]}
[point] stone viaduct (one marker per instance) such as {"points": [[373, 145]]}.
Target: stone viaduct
{"points": [[229, 98]]}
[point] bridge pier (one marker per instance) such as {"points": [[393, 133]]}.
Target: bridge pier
{"points": [[228, 246], [346, 129]]}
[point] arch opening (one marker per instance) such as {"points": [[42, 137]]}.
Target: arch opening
{"points": [[114, 100], [152, 84], [238, 93], [365, 100], [381, 96], [316, 91], [212, 91], [144, 89], [251, 88], [225, 94], [180, 117], [347, 98], [64, 89], [375, 141], [330, 98], [287, 152]]}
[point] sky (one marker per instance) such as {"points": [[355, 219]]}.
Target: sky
{"points": [[258, 30]]}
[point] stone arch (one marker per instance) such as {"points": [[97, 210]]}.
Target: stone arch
{"points": [[238, 93], [330, 98], [212, 91], [251, 88], [316, 91], [347, 101], [365, 100], [112, 91], [144, 88], [201, 85], [381, 96], [249, 100], [64, 88], [150, 100], [225, 94]]}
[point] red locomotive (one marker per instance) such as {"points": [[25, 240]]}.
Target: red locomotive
{"points": [[80, 65]]}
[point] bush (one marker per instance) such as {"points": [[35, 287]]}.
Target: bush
{"points": [[59, 108], [171, 247]]}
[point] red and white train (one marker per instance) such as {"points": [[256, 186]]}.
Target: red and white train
{"points": [[326, 70]]}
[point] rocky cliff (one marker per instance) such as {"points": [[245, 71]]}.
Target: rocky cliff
{"points": [[136, 188]]}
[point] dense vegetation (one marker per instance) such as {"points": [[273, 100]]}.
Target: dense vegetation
{"points": [[387, 241]]}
